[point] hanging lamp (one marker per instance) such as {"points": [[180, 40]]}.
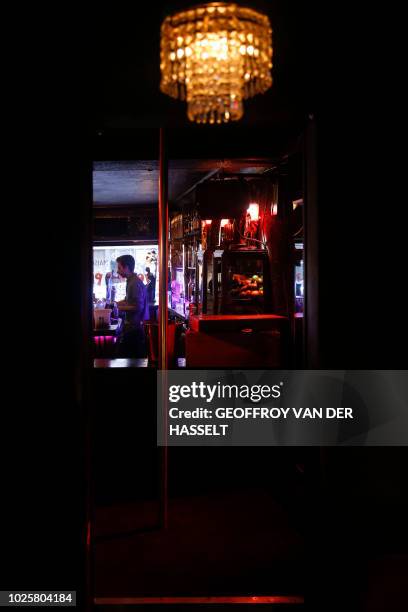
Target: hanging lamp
{"points": [[214, 56]]}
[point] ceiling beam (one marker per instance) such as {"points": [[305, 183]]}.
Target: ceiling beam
{"points": [[202, 180]]}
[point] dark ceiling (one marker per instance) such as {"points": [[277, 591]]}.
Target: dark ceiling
{"points": [[126, 75], [130, 183]]}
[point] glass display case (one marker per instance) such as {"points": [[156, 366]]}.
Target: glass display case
{"points": [[246, 287], [237, 282]]}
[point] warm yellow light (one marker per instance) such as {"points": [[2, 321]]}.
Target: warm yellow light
{"points": [[214, 56]]}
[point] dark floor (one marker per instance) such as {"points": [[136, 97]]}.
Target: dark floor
{"points": [[223, 543], [387, 584]]}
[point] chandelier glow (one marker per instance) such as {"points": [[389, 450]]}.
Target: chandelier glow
{"points": [[214, 56]]}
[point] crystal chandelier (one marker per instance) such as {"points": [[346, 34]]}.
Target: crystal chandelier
{"points": [[214, 56]]}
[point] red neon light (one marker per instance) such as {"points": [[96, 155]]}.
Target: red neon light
{"points": [[273, 599], [224, 222], [253, 211]]}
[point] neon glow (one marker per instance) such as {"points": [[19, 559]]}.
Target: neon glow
{"points": [[224, 222], [260, 599], [102, 340], [253, 211]]}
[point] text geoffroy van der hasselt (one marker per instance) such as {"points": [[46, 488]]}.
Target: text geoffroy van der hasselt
{"points": [[255, 393]]}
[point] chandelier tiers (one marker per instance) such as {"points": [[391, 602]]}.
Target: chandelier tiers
{"points": [[214, 56]]}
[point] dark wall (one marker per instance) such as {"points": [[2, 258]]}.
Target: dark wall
{"points": [[43, 470], [197, 142], [359, 500], [45, 226], [362, 251]]}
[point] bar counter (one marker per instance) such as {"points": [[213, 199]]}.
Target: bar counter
{"points": [[238, 341], [105, 339], [212, 323], [109, 330]]}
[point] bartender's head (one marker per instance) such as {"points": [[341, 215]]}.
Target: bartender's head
{"points": [[126, 265]]}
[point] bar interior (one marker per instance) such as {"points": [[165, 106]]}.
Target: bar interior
{"points": [[235, 263]]}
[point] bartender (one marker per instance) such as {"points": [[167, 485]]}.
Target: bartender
{"points": [[135, 308]]}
